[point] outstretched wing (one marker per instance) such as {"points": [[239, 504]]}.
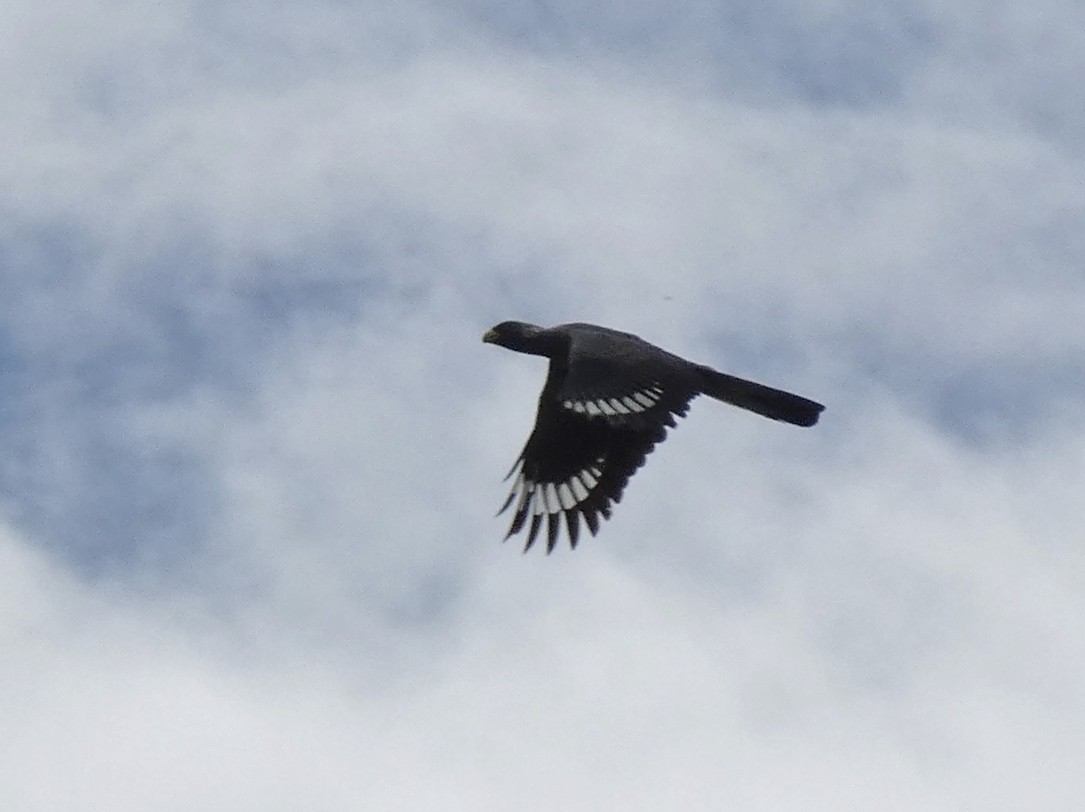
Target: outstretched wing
{"points": [[593, 430]]}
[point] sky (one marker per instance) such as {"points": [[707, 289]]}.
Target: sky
{"points": [[253, 443]]}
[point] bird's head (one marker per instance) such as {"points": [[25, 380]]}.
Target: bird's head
{"points": [[513, 335]]}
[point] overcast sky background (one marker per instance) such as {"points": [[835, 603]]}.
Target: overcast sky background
{"points": [[252, 442]]}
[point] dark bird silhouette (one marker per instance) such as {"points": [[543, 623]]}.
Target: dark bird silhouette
{"points": [[609, 397]]}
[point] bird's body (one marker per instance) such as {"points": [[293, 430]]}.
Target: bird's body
{"points": [[609, 397]]}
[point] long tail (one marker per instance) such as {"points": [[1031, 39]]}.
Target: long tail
{"points": [[756, 397]]}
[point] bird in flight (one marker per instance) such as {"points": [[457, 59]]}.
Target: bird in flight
{"points": [[609, 397]]}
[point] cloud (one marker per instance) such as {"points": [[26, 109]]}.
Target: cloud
{"points": [[252, 441]]}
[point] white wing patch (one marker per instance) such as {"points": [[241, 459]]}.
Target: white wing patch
{"points": [[566, 496], [590, 477], [544, 498], [580, 493], [540, 504], [634, 403]]}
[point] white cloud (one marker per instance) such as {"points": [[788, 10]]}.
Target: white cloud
{"points": [[253, 441]]}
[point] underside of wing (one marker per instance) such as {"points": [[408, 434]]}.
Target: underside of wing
{"points": [[574, 467], [603, 409]]}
